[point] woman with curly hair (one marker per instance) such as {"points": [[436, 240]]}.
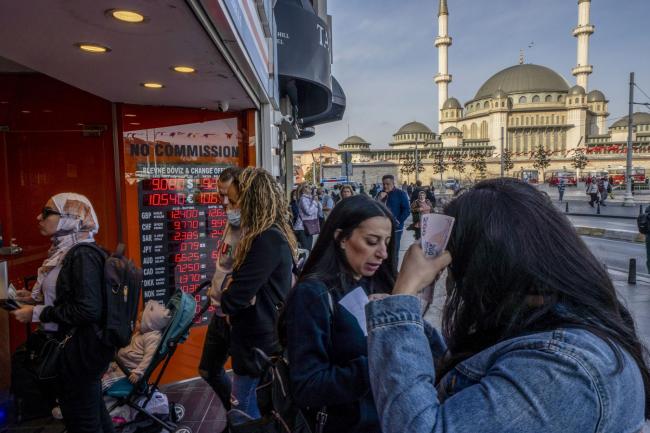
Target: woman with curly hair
{"points": [[260, 281]]}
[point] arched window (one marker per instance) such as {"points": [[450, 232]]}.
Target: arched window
{"points": [[548, 98], [464, 129], [536, 99], [486, 104], [522, 100], [560, 98], [484, 129], [473, 131]]}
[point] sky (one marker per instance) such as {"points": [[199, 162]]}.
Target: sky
{"points": [[385, 59]]}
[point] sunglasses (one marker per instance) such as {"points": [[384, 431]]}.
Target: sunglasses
{"points": [[46, 212]]}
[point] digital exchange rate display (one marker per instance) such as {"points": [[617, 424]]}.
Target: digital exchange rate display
{"points": [[182, 221]]}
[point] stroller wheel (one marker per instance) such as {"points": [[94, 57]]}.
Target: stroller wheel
{"points": [[183, 429], [177, 412]]}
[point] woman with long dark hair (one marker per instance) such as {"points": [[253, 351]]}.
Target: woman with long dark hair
{"points": [[326, 335], [535, 338]]}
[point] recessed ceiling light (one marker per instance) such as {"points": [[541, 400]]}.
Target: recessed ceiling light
{"points": [[129, 115], [184, 69], [25, 111], [151, 85], [4, 102], [92, 48], [134, 123], [126, 15]]}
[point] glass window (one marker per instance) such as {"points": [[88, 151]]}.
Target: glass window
{"points": [[535, 99], [522, 100]]}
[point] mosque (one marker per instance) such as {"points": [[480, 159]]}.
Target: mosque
{"points": [[519, 108]]}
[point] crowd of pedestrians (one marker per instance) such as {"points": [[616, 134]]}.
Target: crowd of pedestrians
{"points": [[528, 342]]}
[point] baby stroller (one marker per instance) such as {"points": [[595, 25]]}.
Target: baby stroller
{"points": [[137, 397]]}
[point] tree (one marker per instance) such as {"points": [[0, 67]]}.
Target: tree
{"points": [[507, 161], [541, 159], [479, 164], [309, 175], [407, 166], [458, 164], [580, 160], [439, 164]]}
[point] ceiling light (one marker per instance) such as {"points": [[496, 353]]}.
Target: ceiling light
{"points": [[153, 85], [129, 115], [92, 48], [25, 111], [4, 102], [184, 69], [47, 110], [126, 16], [134, 123]]}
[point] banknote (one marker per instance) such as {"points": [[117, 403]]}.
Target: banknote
{"points": [[436, 229]]}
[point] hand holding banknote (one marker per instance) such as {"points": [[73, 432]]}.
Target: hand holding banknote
{"points": [[419, 271], [423, 263]]}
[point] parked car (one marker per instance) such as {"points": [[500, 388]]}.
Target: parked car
{"points": [[451, 183]]}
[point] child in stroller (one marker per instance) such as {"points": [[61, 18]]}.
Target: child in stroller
{"points": [[138, 354]]}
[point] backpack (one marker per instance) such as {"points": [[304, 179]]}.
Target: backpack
{"points": [[642, 221], [122, 285]]}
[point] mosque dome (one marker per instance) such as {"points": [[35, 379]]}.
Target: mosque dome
{"points": [[577, 90], [355, 139], [414, 128], [452, 130], [637, 119], [596, 96], [521, 79], [451, 103]]}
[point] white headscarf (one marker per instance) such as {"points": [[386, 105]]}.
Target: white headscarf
{"points": [[78, 223]]}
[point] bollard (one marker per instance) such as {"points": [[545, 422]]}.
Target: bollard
{"points": [[631, 274], [598, 208], [567, 207]]}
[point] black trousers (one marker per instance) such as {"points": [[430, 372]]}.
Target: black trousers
{"points": [[305, 241], [213, 359], [85, 359]]}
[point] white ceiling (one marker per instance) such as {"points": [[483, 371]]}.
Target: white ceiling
{"points": [[40, 35]]}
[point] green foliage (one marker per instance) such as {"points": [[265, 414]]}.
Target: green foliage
{"points": [[579, 160]]}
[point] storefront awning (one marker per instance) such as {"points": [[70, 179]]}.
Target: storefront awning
{"points": [[44, 37]]}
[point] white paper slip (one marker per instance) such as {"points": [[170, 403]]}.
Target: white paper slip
{"points": [[436, 229], [355, 302]]}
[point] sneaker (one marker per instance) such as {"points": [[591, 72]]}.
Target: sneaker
{"points": [[56, 412]]}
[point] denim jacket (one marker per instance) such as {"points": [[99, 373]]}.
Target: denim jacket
{"points": [[565, 380]]}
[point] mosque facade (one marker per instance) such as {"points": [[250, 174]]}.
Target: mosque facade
{"points": [[515, 111]]}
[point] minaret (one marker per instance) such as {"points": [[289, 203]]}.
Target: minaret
{"points": [[582, 32], [443, 41]]}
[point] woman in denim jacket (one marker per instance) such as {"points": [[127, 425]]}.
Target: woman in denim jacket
{"points": [[532, 342], [326, 342]]}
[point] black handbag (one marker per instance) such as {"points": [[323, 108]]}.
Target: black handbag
{"points": [[46, 364]]}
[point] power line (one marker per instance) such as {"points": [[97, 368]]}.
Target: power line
{"points": [[641, 90]]}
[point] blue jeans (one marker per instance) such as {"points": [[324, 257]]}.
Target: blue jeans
{"points": [[243, 389]]}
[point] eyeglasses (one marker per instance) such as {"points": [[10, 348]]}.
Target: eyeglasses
{"points": [[46, 212]]}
